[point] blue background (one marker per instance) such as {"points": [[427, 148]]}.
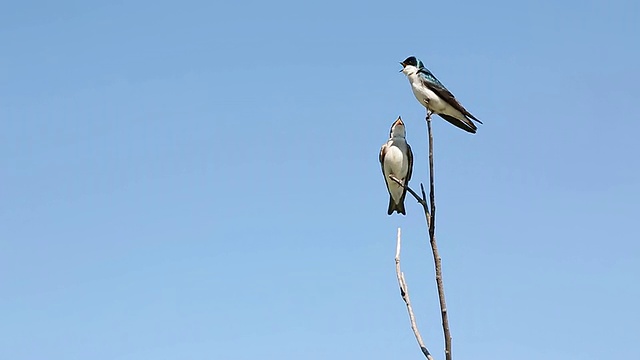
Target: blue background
{"points": [[198, 180]]}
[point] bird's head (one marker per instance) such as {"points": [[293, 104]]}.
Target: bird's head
{"points": [[411, 65], [397, 129]]}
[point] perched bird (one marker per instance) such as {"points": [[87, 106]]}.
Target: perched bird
{"points": [[396, 159], [435, 97]]}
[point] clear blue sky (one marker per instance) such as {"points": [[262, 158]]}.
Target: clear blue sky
{"points": [[200, 180]]}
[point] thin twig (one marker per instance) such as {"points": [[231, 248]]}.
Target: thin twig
{"points": [[432, 195], [421, 200], [404, 292], [424, 196], [434, 247]]}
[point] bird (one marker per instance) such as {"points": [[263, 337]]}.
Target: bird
{"points": [[396, 159], [435, 97]]}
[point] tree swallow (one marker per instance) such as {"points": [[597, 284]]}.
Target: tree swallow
{"points": [[435, 97], [396, 159]]}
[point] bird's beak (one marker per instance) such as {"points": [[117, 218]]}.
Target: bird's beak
{"points": [[398, 122], [403, 66]]}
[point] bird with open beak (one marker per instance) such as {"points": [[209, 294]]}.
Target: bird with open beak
{"points": [[435, 97], [396, 159]]}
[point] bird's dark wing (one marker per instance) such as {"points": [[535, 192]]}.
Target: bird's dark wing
{"points": [[430, 81], [383, 151], [466, 124], [410, 159]]}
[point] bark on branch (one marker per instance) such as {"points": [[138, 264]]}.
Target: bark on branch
{"points": [[430, 217], [431, 223], [404, 292]]}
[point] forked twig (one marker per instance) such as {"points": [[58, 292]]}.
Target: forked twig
{"points": [[421, 200], [404, 292], [430, 216]]}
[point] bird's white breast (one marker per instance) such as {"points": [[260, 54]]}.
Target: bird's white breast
{"points": [[395, 161], [426, 96], [397, 164]]}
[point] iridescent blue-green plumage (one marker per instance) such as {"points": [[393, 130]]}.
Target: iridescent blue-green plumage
{"points": [[429, 81], [429, 77]]}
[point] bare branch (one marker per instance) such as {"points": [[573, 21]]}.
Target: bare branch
{"points": [[424, 196], [404, 292], [431, 224], [429, 213]]}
